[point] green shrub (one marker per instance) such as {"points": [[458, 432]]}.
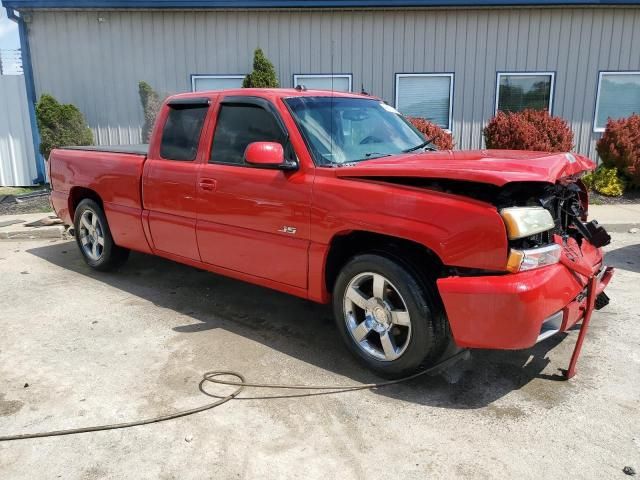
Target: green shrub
{"points": [[264, 73], [151, 103], [588, 180], [619, 147], [60, 125], [605, 181]]}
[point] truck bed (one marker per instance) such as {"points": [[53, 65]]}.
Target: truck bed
{"points": [[114, 173], [138, 149]]}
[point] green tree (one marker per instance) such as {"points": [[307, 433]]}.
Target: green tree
{"points": [[151, 103], [60, 125], [263, 75]]}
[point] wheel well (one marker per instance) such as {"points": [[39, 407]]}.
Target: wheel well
{"points": [[77, 194], [410, 253]]}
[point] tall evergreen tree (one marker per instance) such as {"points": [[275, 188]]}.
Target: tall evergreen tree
{"points": [[151, 103], [264, 73]]}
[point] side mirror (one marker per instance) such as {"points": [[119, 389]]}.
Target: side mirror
{"points": [[267, 155]]}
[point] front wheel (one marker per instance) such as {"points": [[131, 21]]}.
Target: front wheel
{"points": [[94, 237], [388, 319]]}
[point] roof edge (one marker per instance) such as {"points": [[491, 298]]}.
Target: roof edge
{"points": [[298, 4]]}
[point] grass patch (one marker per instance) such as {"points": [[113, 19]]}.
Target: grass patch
{"points": [[17, 190], [44, 209]]}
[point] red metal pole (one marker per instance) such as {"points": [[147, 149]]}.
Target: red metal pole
{"points": [[591, 299]]}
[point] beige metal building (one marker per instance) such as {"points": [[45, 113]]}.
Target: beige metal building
{"points": [[454, 62]]}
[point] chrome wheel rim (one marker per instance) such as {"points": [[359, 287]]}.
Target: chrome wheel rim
{"points": [[91, 235], [377, 316]]}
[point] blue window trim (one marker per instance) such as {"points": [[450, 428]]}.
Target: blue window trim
{"points": [[597, 129], [552, 93], [451, 75], [31, 93], [193, 76], [324, 75], [178, 4]]}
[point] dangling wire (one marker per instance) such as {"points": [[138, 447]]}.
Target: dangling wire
{"points": [[241, 384]]}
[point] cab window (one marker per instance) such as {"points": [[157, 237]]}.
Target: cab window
{"points": [[237, 126], [181, 132]]}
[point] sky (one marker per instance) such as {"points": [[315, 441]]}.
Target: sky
{"points": [[8, 32]]}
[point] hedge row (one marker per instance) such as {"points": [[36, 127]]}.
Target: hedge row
{"points": [[619, 146]]}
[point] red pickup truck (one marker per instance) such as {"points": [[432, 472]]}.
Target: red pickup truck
{"points": [[336, 197]]}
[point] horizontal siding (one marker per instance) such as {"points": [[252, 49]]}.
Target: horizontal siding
{"points": [[97, 64], [17, 158]]}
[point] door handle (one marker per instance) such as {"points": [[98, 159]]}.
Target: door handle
{"points": [[208, 184]]}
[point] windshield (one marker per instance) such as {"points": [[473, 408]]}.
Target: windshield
{"points": [[343, 130]]}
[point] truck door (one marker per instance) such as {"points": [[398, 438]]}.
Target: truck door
{"points": [[253, 220], [169, 181]]}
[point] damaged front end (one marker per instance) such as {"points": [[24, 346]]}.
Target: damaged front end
{"points": [[553, 275], [575, 241], [546, 225], [566, 201]]}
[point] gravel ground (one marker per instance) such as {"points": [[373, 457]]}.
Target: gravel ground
{"points": [[82, 348], [629, 197]]}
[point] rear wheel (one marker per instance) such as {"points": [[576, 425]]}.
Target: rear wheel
{"points": [[94, 237], [388, 319]]}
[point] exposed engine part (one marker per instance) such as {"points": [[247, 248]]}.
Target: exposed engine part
{"points": [[594, 233], [602, 301], [564, 203]]}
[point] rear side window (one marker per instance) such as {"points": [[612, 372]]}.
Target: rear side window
{"points": [[181, 133], [237, 127]]}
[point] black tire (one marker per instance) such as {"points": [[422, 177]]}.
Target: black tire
{"points": [[107, 256], [423, 341]]}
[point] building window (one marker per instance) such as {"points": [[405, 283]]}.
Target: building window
{"points": [[518, 91], [426, 95], [340, 82], [618, 97], [200, 83]]}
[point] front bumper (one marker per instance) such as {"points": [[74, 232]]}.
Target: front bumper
{"points": [[515, 311]]}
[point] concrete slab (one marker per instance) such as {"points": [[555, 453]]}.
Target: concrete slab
{"points": [[97, 348], [15, 227], [616, 218], [6, 223]]}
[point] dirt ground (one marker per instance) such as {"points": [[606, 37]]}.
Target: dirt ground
{"points": [[32, 205], [81, 348]]}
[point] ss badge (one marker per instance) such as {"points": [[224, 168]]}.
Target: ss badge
{"points": [[289, 230]]}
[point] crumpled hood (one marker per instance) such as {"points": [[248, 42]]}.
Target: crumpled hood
{"points": [[496, 167]]}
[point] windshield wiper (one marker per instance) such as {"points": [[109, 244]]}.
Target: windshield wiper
{"points": [[422, 145], [372, 156]]}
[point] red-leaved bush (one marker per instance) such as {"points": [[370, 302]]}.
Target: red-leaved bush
{"points": [[440, 138], [620, 146], [528, 130]]}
